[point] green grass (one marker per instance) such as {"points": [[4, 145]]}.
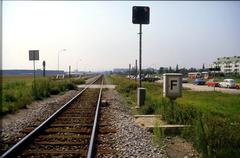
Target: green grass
{"points": [[18, 78], [223, 104], [18, 91], [214, 116]]}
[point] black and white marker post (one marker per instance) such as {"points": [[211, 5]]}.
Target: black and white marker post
{"points": [[140, 15]]}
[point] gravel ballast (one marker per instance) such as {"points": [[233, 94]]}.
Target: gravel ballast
{"points": [[130, 140]]}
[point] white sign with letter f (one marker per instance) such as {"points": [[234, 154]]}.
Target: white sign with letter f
{"points": [[172, 85]]}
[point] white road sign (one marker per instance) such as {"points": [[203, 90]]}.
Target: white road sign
{"points": [[33, 54], [172, 85]]}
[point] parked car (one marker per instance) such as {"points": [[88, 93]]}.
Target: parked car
{"points": [[237, 85], [213, 83], [199, 81], [184, 80], [228, 83]]}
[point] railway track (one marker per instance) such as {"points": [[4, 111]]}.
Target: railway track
{"points": [[69, 132]]}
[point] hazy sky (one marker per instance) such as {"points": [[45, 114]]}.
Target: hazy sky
{"points": [[101, 36]]}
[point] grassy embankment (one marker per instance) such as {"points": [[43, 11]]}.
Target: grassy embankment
{"points": [[18, 91], [214, 116]]}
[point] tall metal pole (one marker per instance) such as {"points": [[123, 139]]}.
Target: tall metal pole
{"points": [[136, 70], [140, 55], [129, 71], [77, 67], [69, 71], [34, 82], [58, 57], [44, 64], [58, 62]]}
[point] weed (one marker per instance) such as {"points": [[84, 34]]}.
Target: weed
{"points": [[78, 81]]}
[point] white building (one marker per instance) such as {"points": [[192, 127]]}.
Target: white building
{"points": [[228, 64]]}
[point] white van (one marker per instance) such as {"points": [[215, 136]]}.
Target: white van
{"points": [[228, 83]]}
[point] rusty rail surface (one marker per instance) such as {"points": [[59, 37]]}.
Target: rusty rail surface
{"points": [[91, 148]]}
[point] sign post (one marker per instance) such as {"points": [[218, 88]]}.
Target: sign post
{"points": [[172, 87], [34, 55], [140, 15], [44, 68]]}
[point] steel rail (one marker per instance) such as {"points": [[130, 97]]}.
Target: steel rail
{"points": [[91, 148], [29, 137]]}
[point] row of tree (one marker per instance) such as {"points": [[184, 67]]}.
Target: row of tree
{"points": [[163, 70], [169, 69]]}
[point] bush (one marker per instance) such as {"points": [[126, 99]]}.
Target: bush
{"points": [[127, 87], [8, 96], [15, 95], [41, 89], [78, 81], [45, 87], [70, 86], [54, 91], [150, 106]]}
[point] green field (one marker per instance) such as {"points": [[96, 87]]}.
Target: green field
{"points": [[18, 91], [18, 78], [226, 105], [214, 116]]}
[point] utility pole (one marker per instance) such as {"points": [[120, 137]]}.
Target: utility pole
{"points": [[44, 67], [58, 57], [69, 71], [140, 55], [136, 70], [129, 71]]}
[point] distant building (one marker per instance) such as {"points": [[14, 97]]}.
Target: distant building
{"points": [[194, 75], [205, 75], [30, 72], [120, 70], [228, 64], [163, 70]]}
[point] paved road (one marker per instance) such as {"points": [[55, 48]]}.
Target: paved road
{"points": [[206, 88]]}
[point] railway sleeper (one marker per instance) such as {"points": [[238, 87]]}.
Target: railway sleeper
{"points": [[69, 130], [70, 143], [106, 130], [101, 151], [88, 115], [50, 153], [57, 136], [74, 125], [69, 139]]}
